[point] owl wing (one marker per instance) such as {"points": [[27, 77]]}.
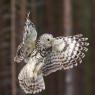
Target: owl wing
{"points": [[27, 46], [71, 55], [30, 31], [20, 53]]}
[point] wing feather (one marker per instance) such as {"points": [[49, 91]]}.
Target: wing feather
{"points": [[71, 55]]}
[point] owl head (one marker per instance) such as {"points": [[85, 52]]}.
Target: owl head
{"points": [[46, 40]]}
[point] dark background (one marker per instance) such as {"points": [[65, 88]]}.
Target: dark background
{"points": [[59, 17]]}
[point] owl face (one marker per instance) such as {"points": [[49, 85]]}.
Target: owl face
{"points": [[46, 40]]}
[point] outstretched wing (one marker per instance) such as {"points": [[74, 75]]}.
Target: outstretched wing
{"points": [[28, 44], [68, 52]]}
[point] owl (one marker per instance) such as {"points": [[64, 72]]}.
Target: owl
{"points": [[48, 55]]}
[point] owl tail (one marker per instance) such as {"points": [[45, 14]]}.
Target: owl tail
{"points": [[32, 85]]}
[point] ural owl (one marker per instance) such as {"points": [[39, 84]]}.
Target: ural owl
{"points": [[46, 55]]}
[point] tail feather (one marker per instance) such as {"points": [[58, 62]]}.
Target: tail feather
{"points": [[33, 85]]}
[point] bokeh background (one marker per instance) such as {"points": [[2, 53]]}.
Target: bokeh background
{"points": [[59, 17]]}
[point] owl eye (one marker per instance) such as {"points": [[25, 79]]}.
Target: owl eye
{"points": [[48, 39]]}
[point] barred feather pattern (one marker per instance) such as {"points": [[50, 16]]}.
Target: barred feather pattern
{"points": [[20, 54], [66, 53], [30, 77], [32, 85]]}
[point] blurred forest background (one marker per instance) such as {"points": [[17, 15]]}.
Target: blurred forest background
{"points": [[59, 17]]}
